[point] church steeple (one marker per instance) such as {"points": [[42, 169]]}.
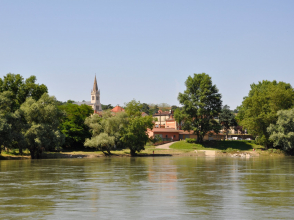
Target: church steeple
{"points": [[95, 86], [95, 97]]}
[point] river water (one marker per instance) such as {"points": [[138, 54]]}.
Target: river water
{"points": [[147, 188]]}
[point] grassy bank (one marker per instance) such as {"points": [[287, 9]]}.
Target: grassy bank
{"points": [[218, 145], [177, 148], [226, 147]]}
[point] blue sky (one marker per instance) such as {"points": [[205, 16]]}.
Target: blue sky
{"points": [[146, 49]]}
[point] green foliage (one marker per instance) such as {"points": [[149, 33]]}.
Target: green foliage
{"points": [[134, 135], [259, 109], [40, 130], [133, 108], [156, 139], [106, 107], [21, 89], [282, 133], [174, 107], [106, 130], [201, 103], [73, 126], [227, 118], [145, 108], [153, 109], [191, 140]]}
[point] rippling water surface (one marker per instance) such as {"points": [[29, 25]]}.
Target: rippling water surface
{"points": [[147, 188]]}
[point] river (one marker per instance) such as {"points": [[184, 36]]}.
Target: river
{"points": [[148, 188]]}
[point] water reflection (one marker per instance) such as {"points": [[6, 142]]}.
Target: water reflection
{"points": [[136, 188]]}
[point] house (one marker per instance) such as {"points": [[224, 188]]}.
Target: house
{"points": [[165, 119], [170, 133]]}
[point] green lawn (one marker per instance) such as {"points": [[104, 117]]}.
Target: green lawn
{"points": [[217, 145]]}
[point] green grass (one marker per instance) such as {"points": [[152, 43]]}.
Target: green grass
{"points": [[217, 145], [15, 152]]}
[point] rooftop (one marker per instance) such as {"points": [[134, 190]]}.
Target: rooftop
{"points": [[117, 109]]}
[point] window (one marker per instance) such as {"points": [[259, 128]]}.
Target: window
{"points": [[92, 97], [97, 98]]}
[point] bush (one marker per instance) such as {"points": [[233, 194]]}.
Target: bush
{"points": [[191, 140]]}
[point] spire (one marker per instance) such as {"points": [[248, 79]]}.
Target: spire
{"points": [[95, 86]]}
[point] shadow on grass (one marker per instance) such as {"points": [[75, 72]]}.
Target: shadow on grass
{"points": [[238, 145]]}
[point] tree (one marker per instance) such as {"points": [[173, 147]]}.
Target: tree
{"points": [[105, 107], [259, 109], [282, 133], [134, 134], [201, 103], [21, 89], [227, 119], [153, 110], [179, 117], [73, 126], [174, 107], [164, 107], [133, 108], [41, 124], [145, 108], [10, 123], [106, 130]]}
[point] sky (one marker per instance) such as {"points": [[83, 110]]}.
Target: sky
{"points": [[145, 50]]}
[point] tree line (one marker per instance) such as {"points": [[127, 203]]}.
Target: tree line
{"points": [[31, 119], [267, 112]]}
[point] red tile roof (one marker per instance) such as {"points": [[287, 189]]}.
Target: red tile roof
{"points": [[117, 109]]}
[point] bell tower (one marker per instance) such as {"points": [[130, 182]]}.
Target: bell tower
{"points": [[95, 97]]}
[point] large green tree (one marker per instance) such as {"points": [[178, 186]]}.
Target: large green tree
{"points": [[201, 103], [11, 123], [282, 133], [73, 126], [259, 109], [106, 130], [227, 119], [42, 119], [21, 89], [134, 134]]}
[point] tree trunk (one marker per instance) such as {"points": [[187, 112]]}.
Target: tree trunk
{"points": [[20, 150], [32, 152], [36, 153], [133, 152]]}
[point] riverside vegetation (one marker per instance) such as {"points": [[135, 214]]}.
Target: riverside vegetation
{"points": [[34, 124]]}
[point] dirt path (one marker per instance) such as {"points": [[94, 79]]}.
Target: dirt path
{"points": [[165, 146], [207, 152]]}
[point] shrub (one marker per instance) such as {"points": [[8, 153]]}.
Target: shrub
{"points": [[191, 140]]}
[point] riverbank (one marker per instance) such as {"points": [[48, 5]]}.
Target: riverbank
{"points": [[180, 148]]}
